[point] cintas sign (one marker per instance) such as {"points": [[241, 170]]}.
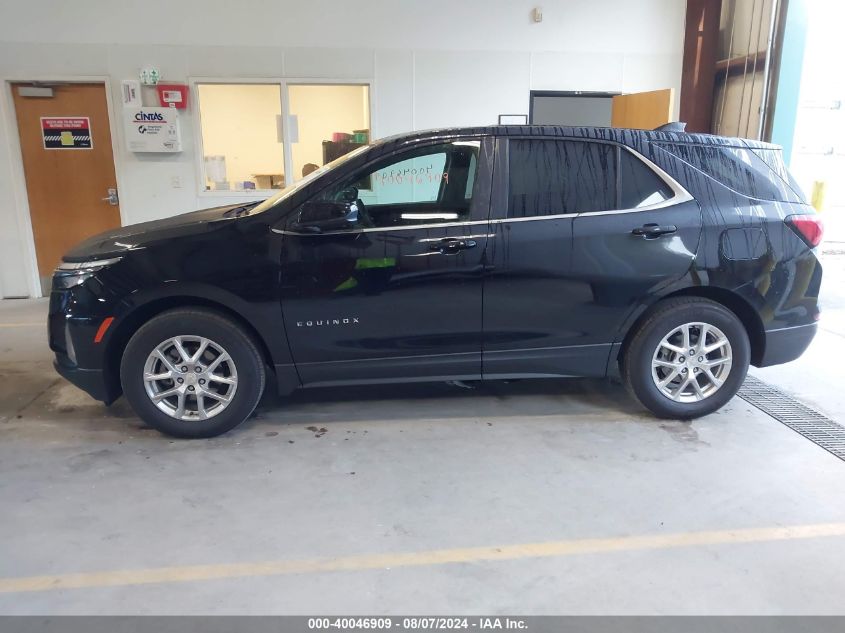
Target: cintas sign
{"points": [[141, 115], [152, 130]]}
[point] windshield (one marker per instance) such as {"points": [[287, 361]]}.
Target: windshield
{"points": [[271, 202]]}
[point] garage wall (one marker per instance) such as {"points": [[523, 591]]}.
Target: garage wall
{"points": [[431, 64]]}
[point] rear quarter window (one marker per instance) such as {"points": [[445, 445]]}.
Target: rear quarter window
{"points": [[774, 159], [639, 186], [737, 168]]}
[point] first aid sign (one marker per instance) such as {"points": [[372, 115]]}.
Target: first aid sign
{"points": [[66, 132]]}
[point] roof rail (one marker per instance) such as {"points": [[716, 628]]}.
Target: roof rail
{"points": [[672, 126]]}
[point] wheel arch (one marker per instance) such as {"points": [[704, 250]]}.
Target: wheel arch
{"points": [[733, 301], [132, 321]]}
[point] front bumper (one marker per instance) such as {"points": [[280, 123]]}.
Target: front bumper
{"points": [[74, 318], [91, 381], [787, 344]]}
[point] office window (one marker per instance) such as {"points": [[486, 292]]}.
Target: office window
{"points": [[326, 122], [241, 136], [550, 177]]}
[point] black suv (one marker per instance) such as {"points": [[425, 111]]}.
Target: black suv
{"points": [[672, 260]]}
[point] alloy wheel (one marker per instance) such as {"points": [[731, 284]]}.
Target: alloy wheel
{"points": [[190, 377], [691, 362]]}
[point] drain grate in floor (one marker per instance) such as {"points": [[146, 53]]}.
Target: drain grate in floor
{"points": [[816, 427]]}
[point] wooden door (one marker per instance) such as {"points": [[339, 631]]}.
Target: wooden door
{"points": [[642, 110], [69, 167]]}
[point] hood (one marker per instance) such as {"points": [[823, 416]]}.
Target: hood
{"points": [[138, 236]]}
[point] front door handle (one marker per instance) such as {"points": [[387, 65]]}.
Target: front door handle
{"points": [[451, 245], [652, 230]]}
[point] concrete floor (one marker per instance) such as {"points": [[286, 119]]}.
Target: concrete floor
{"points": [[539, 497]]}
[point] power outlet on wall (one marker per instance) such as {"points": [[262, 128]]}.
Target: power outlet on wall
{"points": [[176, 182]]}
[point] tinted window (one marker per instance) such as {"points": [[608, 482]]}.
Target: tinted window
{"points": [[473, 167], [774, 159], [737, 168], [554, 177], [429, 184], [639, 186]]}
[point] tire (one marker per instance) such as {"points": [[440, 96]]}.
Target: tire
{"points": [[651, 358], [216, 391]]}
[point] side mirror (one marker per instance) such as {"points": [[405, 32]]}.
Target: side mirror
{"points": [[317, 216]]}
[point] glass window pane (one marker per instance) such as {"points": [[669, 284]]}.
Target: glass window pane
{"points": [[326, 122], [241, 138], [639, 185], [431, 184], [415, 179], [737, 168], [473, 164], [555, 177]]}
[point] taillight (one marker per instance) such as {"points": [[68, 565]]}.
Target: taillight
{"points": [[808, 227]]}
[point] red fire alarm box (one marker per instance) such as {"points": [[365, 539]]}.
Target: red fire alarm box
{"points": [[173, 95]]}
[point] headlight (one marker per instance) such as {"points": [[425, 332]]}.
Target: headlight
{"points": [[70, 274]]}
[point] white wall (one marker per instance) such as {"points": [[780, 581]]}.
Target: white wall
{"points": [[437, 63]]}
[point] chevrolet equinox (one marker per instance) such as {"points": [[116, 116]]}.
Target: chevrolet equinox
{"points": [[670, 260]]}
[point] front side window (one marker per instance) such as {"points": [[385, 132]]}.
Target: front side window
{"points": [[426, 185]]}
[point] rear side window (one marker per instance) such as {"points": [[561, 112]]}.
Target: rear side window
{"points": [[737, 168], [549, 177]]}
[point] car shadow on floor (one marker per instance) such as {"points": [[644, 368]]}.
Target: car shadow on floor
{"points": [[529, 397]]}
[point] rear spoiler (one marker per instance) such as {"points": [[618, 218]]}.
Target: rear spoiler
{"points": [[673, 126]]}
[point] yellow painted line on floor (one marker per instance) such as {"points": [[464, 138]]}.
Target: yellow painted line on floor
{"points": [[23, 325], [195, 573]]}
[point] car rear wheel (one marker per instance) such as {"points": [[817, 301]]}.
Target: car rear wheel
{"points": [[687, 359], [192, 373]]}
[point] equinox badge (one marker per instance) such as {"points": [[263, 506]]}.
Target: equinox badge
{"points": [[344, 321]]}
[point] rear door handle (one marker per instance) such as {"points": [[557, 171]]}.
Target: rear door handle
{"points": [[652, 230], [451, 245]]}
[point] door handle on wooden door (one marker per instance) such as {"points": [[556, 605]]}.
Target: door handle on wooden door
{"points": [[112, 198]]}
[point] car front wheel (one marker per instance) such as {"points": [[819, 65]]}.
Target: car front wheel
{"points": [[192, 373], [687, 359]]}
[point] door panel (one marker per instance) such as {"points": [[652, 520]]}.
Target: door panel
{"points": [[385, 302], [66, 186], [396, 296], [642, 110], [614, 270], [529, 293], [529, 296], [582, 233]]}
